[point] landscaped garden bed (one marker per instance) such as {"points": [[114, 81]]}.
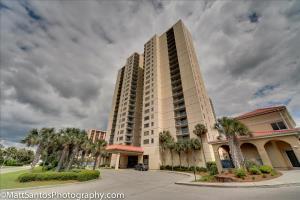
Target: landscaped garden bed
{"points": [[251, 174]]}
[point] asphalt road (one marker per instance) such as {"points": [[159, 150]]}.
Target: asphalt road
{"points": [[159, 185]]}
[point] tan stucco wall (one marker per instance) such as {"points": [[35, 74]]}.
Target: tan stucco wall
{"points": [[271, 150]]}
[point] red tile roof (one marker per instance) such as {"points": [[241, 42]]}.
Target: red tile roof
{"points": [[261, 111], [120, 147]]}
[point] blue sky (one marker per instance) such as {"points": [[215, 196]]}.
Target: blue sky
{"points": [[59, 59]]}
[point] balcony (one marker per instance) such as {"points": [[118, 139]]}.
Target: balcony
{"points": [[179, 107], [181, 123], [176, 94], [182, 133], [178, 100], [180, 115]]}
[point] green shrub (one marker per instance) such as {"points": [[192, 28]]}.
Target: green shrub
{"points": [[212, 168], [254, 170], [240, 173], [265, 169], [249, 164], [207, 178], [80, 175], [12, 162], [201, 169], [86, 175], [273, 172]]}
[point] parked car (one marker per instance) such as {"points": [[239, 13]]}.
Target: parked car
{"points": [[141, 167]]}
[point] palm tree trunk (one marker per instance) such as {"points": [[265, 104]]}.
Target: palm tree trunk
{"points": [[188, 159], [203, 154], [194, 167], [98, 161], [179, 155], [234, 152], [171, 158], [74, 152], [62, 158], [36, 157], [46, 158], [95, 162]]}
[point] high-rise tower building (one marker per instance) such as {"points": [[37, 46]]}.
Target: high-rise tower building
{"points": [[173, 97]]}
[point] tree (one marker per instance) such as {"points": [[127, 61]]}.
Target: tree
{"points": [[164, 138], [201, 130], [232, 129], [99, 146], [195, 146], [86, 149], [179, 148], [39, 139], [187, 149], [66, 138], [78, 140], [171, 147]]}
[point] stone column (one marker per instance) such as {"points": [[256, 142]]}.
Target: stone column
{"points": [[117, 161], [140, 158], [263, 155]]}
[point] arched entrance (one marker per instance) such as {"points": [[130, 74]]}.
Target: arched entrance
{"points": [[225, 157], [250, 153], [281, 154]]}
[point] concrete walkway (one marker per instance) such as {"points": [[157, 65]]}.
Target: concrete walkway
{"points": [[288, 178], [13, 169]]}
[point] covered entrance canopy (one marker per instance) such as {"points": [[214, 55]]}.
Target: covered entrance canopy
{"points": [[124, 155]]}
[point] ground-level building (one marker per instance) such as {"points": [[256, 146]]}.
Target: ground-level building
{"points": [[274, 140]]}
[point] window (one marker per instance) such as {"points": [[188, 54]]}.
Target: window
{"points": [[146, 125], [146, 141], [146, 133], [152, 132], [152, 123], [147, 111], [152, 140], [146, 118], [278, 125], [147, 104]]}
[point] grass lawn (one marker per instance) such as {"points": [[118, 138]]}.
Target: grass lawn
{"points": [[9, 180]]}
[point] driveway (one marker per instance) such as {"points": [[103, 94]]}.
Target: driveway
{"points": [[160, 185]]}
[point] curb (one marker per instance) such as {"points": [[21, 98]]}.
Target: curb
{"points": [[238, 186], [49, 186]]}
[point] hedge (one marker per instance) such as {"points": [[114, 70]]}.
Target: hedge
{"points": [[82, 175], [183, 168]]}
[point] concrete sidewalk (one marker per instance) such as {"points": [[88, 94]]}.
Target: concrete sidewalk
{"points": [[288, 178]]}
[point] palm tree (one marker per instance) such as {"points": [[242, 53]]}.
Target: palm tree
{"points": [[87, 148], [187, 149], [195, 146], [39, 139], [232, 128], [104, 155], [49, 141], [171, 147], [99, 146], [201, 130], [67, 138], [78, 140], [164, 138], [179, 148]]}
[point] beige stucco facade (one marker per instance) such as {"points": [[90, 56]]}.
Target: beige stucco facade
{"points": [[173, 96], [277, 148]]}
